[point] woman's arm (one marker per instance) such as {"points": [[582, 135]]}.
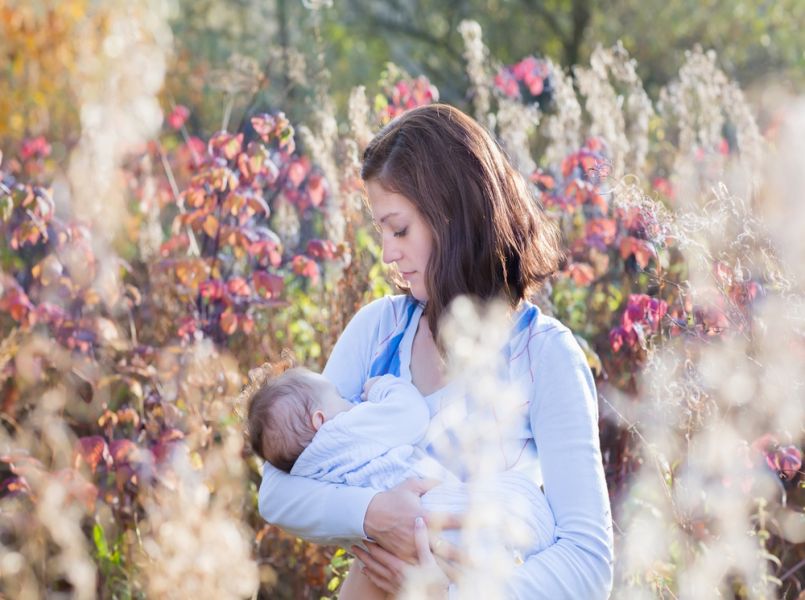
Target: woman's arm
{"points": [[564, 421], [314, 510]]}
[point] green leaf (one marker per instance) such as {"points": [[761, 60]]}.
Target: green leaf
{"points": [[99, 537]]}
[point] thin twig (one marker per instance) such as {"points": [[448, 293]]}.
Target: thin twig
{"points": [[193, 249], [793, 570]]}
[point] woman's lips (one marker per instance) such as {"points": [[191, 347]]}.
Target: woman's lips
{"points": [[407, 274]]}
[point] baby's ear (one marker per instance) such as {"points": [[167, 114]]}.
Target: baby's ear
{"points": [[317, 419]]}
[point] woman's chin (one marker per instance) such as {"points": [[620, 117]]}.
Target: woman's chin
{"points": [[419, 295]]}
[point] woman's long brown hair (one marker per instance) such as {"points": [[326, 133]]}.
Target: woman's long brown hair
{"points": [[490, 236]]}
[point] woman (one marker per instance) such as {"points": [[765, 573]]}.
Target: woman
{"points": [[456, 219]]}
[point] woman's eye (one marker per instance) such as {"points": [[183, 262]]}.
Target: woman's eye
{"points": [[401, 232]]}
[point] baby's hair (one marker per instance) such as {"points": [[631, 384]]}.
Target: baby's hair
{"points": [[281, 403]]}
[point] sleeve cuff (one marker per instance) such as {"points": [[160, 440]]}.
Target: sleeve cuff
{"points": [[349, 505]]}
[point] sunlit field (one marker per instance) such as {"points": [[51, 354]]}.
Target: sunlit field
{"points": [[160, 243]]}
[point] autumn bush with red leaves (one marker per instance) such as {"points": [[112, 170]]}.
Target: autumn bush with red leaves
{"points": [[228, 263]]}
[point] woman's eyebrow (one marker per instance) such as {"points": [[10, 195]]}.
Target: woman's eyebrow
{"points": [[386, 216]]}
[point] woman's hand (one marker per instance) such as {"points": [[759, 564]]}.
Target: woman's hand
{"points": [[429, 578], [389, 519], [388, 572]]}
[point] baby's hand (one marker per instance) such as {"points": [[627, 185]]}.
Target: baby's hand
{"points": [[368, 386]]}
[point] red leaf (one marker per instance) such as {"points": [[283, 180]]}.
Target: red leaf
{"points": [[178, 116], [14, 300], [93, 451], [616, 338], [187, 327], [663, 186], [275, 126], [316, 189], [36, 147], [123, 452], [785, 460], [212, 289], [544, 180], [582, 274], [264, 124], [601, 232], [619, 337], [266, 251], [268, 285], [321, 249], [177, 242], [297, 171], [302, 265]]}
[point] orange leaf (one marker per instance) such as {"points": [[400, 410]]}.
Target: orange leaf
{"points": [[238, 286], [192, 272], [128, 415], [642, 250], [246, 324], [210, 226], [194, 197], [582, 274], [229, 322]]}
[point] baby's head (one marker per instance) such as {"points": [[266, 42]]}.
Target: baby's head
{"points": [[286, 411]]}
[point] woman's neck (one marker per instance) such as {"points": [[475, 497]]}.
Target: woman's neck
{"points": [[428, 368]]}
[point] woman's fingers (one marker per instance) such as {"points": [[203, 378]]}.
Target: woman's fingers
{"points": [[444, 520], [419, 486], [431, 577], [370, 563], [390, 517], [382, 567], [449, 569], [447, 551], [422, 541]]}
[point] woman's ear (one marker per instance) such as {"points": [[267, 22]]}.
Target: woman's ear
{"points": [[317, 419]]}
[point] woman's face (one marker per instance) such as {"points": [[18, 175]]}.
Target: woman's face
{"points": [[407, 240]]}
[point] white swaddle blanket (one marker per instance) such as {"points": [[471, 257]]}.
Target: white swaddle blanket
{"points": [[374, 445]]}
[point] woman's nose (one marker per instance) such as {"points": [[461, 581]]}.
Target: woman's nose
{"points": [[391, 253]]}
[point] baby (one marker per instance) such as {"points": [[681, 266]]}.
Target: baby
{"points": [[299, 423]]}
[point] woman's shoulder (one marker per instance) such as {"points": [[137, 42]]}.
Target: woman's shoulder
{"points": [[384, 311], [546, 335]]}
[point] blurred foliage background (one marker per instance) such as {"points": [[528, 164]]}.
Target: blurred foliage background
{"points": [[148, 263], [287, 44]]}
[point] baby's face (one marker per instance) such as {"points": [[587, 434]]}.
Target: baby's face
{"points": [[330, 401]]}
